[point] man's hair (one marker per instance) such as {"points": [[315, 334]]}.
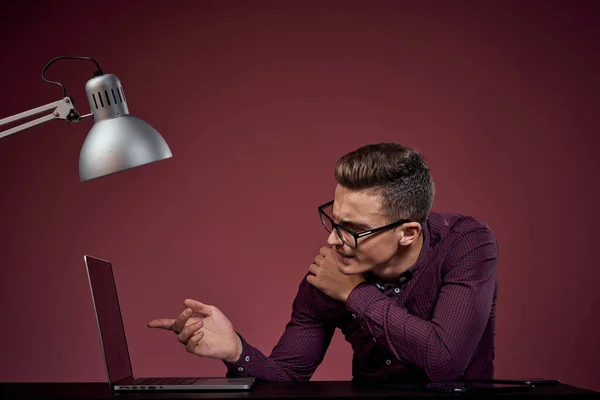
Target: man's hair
{"points": [[395, 172]]}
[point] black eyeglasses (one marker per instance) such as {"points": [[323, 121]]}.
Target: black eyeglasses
{"points": [[347, 236]]}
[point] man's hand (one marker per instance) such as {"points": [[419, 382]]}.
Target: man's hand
{"points": [[204, 330], [325, 276]]}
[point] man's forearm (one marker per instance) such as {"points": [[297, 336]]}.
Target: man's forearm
{"points": [[436, 346]]}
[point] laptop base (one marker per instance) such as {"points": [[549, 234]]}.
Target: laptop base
{"points": [[190, 384]]}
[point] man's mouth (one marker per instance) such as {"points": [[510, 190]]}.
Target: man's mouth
{"points": [[344, 258]]}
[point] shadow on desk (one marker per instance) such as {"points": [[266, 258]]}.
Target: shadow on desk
{"points": [[271, 390]]}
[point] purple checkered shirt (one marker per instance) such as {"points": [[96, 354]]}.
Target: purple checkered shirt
{"points": [[437, 322]]}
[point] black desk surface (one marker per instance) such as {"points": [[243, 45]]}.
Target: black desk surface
{"points": [[267, 390]]}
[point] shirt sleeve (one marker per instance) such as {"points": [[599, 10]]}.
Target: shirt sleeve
{"points": [[300, 349], [444, 345]]}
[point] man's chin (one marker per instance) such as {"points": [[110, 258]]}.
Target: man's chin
{"points": [[352, 268]]}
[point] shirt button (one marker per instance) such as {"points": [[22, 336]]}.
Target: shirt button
{"points": [[374, 339], [397, 290], [354, 316], [240, 369], [388, 362], [247, 358]]}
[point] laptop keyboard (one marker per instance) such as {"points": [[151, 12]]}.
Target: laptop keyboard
{"points": [[166, 381]]}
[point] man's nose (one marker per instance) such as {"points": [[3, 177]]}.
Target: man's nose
{"points": [[334, 239]]}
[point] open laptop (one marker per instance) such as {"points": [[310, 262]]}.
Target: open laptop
{"points": [[114, 342]]}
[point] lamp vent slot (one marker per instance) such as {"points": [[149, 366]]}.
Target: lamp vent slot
{"points": [[100, 98], [121, 94]]}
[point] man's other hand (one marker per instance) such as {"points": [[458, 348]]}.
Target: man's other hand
{"points": [[325, 275]]}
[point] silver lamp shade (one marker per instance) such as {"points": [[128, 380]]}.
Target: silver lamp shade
{"points": [[118, 141]]}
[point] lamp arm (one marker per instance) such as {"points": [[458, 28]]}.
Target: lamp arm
{"points": [[61, 109]]}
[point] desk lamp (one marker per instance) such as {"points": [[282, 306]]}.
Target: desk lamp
{"points": [[117, 141]]}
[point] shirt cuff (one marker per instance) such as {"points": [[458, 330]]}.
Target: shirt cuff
{"points": [[240, 367], [363, 295]]}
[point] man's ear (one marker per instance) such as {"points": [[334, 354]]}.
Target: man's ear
{"points": [[409, 232]]}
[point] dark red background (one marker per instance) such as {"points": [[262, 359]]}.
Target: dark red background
{"points": [[257, 101]]}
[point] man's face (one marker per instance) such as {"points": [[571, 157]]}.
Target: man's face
{"points": [[359, 211]]}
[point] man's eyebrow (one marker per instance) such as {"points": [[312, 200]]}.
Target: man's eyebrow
{"points": [[350, 223], [355, 225]]}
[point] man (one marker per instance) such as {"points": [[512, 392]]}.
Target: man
{"points": [[413, 291]]}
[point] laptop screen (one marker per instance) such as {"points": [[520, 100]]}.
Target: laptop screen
{"points": [[108, 315]]}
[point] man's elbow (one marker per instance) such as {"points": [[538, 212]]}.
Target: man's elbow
{"points": [[446, 370]]}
